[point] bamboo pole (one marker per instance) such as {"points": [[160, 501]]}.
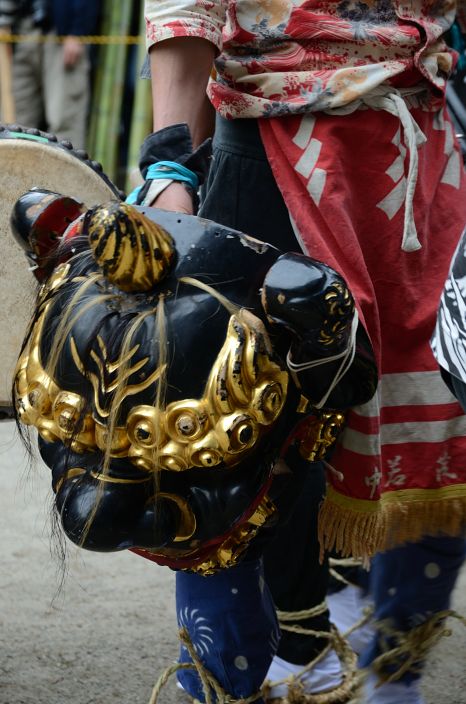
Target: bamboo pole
{"points": [[104, 87], [141, 118], [98, 82], [107, 134]]}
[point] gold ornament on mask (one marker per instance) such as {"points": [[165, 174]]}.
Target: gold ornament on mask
{"points": [[133, 252], [340, 309], [244, 395], [321, 433]]}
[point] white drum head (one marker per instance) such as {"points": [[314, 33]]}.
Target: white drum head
{"points": [[28, 162]]}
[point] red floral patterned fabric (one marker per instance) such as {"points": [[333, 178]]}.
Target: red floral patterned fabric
{"points": [[280, 57]]}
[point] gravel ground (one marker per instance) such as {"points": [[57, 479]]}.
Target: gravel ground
{"points": [[108, 633]]}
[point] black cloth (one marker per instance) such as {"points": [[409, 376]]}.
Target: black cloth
{"points": [[75, 17], [240, 192], [65, 17]]}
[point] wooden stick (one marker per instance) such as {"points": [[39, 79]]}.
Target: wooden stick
{"points": [[7, 103]]}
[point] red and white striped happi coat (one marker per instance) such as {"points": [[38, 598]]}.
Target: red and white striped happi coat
{"points": [[401, 459]]}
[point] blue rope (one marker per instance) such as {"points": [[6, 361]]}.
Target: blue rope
{"points": [[166, 169]]}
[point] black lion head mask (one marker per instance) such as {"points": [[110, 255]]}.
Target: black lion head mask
{"points": [[169, 363]]}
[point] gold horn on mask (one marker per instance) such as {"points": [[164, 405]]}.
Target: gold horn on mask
{"points": [[133, 252]]}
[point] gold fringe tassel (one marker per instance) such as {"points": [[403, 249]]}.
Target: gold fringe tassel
{"points": [[416, 513], [358, 528], [352, 527]]}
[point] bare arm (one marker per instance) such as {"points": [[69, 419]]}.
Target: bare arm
{"points": [[180, 70]]}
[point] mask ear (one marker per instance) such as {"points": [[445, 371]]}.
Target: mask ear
{"points": [[38, 221], [313, 302]]}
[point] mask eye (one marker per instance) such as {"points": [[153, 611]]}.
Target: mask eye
{"points": [[67, 420], [39, 399], [242, 434], [67, 409], [186, 421], [187, 425], [144, 434], [141, 427], [206, 458], [268, 402]]}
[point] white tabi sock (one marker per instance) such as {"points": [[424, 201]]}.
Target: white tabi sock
{"points": [[347, 607], [326, 674]]}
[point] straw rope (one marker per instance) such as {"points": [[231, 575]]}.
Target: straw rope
{"points": [[344, 692], [296, 693], [368, 613], [408, 654], [215, 694], [343, 562], [284, 617], [213, 691], [411, 647]]}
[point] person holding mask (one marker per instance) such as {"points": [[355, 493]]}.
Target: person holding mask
{"points": [[331, 131]]}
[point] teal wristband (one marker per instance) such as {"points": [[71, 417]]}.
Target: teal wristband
{"points": [[174, 171], [166, 169]]}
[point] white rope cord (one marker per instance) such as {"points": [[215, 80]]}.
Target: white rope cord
{"points": [[414, 137], [336, 472], [347, 357], [394, 101]]}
